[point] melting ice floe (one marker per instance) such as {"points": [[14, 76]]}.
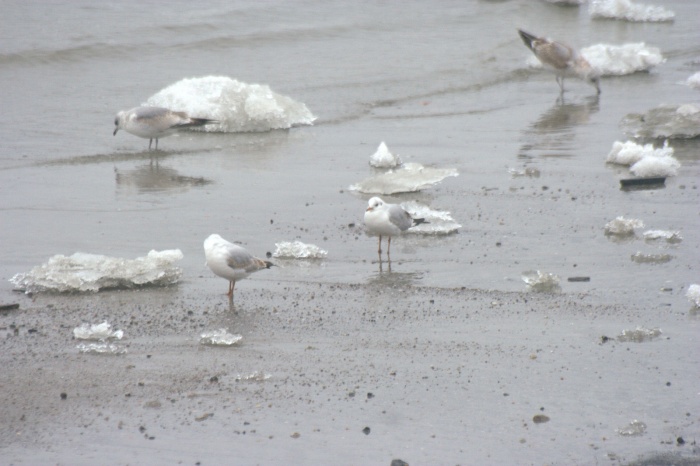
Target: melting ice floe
{"points": [[437, 222], [530, 172], [645, 161], [642, 258], [693, 294], [656, 166], [628, 11], [670, 236], [410, 177], [616, 60], [541, 281], [101, 348], [666, 121], [101, 331], [633, 429], [629, 153], [382, 158], [622, 226], [619, 60], [239, 107], [298, 250], [220, 337], [91, 272], [639, 335], [694, 81]]}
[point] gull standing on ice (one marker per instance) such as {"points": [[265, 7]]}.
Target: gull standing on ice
{"points": [[231, 261], [388, 220], [562, 59], [155, 122]]}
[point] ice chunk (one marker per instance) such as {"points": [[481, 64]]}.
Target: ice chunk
{"points": [[219, 337], [239, 107], [628, 11], [639, 335], [656, 166], [382, 158], [298, 250], [641, 258], [256, 376], [629, 153], [92, 272], [410, 177], [622, 226], [633, 429], [619, 60], [693, 294], [694, 81], [670, 236], [530, 172], [437, 222], [101, 331], [541, 281], [666, 121], [101, 348]]}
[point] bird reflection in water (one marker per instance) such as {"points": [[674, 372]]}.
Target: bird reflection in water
{"points": [[552, 133], [154, 178]]}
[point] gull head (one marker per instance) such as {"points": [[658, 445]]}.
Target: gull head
{"points": [[118, 122], [592, 77], [374, 203]]}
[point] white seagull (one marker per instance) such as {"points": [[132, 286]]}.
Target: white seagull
{"points": [[231, 261], [562, 59], [155, 122], [388, 220]]}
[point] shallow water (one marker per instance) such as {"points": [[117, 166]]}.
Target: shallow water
{"points": [[447, 87]]}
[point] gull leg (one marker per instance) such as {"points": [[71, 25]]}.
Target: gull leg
{"points": [[380, 245], [560, 81], [150, 141], [156, 143], [388, 250], [231, 284]]}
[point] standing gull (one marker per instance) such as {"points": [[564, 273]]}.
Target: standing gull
{"points": [[155, 122], [231, 261], [562, 59], [388, 220]]}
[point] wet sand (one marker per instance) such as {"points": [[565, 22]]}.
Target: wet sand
{"points": [[348, 374]]}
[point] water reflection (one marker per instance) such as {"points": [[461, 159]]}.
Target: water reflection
{"points": [[152, 177], [385, 277], [552, 134]]}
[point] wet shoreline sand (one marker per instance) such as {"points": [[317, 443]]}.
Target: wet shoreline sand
{"points": [[447, 376]]}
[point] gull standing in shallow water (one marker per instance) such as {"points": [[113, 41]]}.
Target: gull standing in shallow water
{"points": [[155, 122], [231, 261], [562, 59], [388, 220]]}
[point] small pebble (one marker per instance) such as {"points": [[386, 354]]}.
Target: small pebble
{"points": [[64, 395], [540, 418], [366, 430]]}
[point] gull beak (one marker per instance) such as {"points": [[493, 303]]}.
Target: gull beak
{"points": [[115, 131], [369, 209]]}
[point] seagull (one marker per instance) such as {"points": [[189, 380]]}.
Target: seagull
{"points": [[562, 59], [155, 122], [388, 220], [231, 261]]}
